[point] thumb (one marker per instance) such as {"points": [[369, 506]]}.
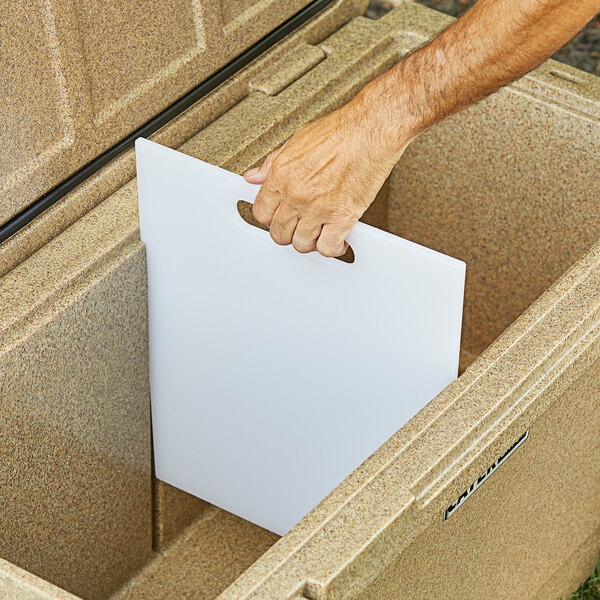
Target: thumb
{"points": [[259, 174]]}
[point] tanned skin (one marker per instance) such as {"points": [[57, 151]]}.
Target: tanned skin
{"points": [[321, 181]]}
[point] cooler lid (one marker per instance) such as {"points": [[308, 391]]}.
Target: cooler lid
{"points": [[78, 76]]}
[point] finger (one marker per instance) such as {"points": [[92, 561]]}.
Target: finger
{"points": [[266, 203], [283, 225], [306, 235], [332, 242], [259, 174]]}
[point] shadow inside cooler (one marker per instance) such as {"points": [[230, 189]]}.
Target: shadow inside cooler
{"points": [[506, 187]]}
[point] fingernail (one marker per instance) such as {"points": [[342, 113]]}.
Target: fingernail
{"points": [[251, 172]]}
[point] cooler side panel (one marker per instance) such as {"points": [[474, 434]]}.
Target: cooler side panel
{"points": [[516, 532]]}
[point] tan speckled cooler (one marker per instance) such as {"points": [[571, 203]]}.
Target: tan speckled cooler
{"points": [[491, 491]]}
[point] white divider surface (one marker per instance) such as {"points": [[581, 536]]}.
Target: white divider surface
{"points": [[275, 374]]}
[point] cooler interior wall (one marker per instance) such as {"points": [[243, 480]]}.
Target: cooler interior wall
{"points": [[510, 187]]}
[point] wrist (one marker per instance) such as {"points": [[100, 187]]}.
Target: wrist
{"points": [[387, 104]]}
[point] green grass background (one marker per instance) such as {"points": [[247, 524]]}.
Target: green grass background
{"points": [[590, 590]]}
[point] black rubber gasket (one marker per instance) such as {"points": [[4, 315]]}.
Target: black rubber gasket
{"points": [[25, 217]]}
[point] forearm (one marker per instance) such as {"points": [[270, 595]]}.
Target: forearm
{"points": [[321, 181], [494, 43]]}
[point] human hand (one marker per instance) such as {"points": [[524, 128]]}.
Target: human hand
{"points": [[321, 181]]}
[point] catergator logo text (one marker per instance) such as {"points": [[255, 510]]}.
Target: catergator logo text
{"points": [[452, 508]]}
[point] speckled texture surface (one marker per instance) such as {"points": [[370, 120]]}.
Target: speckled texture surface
{"points": [[465, 176], [569, 576], [209, 555], [119, 171], [99, 70], [497, 544], [542, 372], [299, 61], [17, 584], [172, 511], [369, 521], [75, 422]]}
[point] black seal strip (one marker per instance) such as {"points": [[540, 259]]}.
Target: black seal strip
{"points": [[25, 217]]}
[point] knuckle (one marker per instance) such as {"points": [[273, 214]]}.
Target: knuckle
{"points": [[271, 161], [277, 236], [293, 192], [329, 245], [263, 205], [342, 213], [260, 214], [303, 246], [328, 252], [275, 177]]}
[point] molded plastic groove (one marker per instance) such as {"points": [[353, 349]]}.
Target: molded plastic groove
{"points": [[53, 196], [312, 591], [561, 356], [566, 77]]}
